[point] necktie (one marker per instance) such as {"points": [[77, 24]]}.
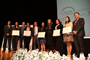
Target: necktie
{"points": [[75, 22]]}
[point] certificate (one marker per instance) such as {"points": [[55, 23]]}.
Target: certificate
{"points": [[67, 29], [15, 32], [27, 33], [56, 32], [41, 34]]}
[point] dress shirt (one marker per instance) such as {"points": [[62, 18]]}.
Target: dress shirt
{"points": [[35, 31], [9, 26]]}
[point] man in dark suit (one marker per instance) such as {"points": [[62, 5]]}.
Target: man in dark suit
{"points": [[79, 33], [34, 35], [7, 35], [21, 33]]}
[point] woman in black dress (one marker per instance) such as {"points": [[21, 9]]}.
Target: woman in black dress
{"points": [[59, 39], [43, 40], [27, 38], [15, 38], [49, 31]]}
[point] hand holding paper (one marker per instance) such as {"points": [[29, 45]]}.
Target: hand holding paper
{"points": [[56, 32], [15, 32], [27, 33], [67, 29], [41, 34]]}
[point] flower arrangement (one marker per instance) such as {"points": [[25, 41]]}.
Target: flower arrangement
{"points": [[81, 57], [23, 54]]}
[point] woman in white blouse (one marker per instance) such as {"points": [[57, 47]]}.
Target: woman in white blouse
{"points": [[27, 38], [68, 37]]}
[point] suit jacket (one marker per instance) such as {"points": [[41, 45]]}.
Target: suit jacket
{"points": [[21, 31], [7, 30], [32, 32], [79, 27]]}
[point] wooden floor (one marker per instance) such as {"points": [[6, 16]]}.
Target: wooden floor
{"points": [[7, 55]]}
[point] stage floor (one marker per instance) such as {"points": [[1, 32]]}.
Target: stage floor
{"points": [[7, 55]]}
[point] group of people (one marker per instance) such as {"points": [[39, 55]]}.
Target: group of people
{"points": [[75, 36]]}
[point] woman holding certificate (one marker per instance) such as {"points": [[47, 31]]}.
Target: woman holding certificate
{"points": [[49, 32], [16, 37], [68, 37], [43, 40], [59, 38], [27, 38]]}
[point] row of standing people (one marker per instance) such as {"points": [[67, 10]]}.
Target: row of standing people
{"points": [[76, 36], [48, 39]]}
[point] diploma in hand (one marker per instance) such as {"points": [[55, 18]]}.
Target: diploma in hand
{"points": [[67, 29], [41, 34], [15, 32], [27, 33], [56, 32]]}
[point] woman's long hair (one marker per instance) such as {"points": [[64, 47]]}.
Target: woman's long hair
{"points": [[59, 21], [50, 20], [68, 19], [44, 24], [15, 25]]}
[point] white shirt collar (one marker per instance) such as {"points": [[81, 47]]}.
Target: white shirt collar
{"points": [[77, 19]]}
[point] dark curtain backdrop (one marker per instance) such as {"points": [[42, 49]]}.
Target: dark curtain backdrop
{"points": [[10, 10], [26, 10], [30, 11]]}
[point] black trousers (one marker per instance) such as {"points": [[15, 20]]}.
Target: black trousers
{"points": [[50, 47], [5, 41], [26, 42], [36, 40], [21, 39], [15, 41], [78, 41]]}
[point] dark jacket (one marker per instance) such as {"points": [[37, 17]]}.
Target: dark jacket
{"points": [[79, 27], [7, 30], [61, 29], [22, 31]]}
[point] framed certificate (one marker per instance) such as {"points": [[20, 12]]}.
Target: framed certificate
{"points": [[27, 33], [15, 32], [67, 29], [56, 32], [41, 34]]}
